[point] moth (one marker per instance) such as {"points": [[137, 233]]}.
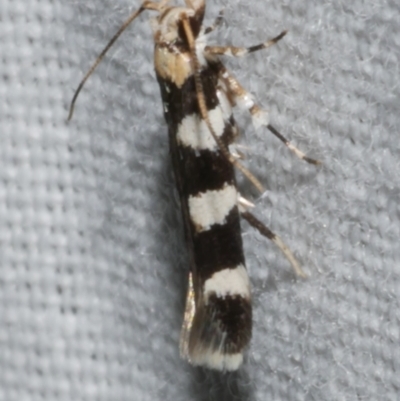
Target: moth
{"points": [[198, 96]]}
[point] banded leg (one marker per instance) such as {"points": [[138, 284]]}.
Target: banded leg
{"points": [[266, 232], [259, 117], [216, 23], [242, 51], [203, 108]]}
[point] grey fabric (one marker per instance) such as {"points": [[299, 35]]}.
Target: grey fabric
{"points": [[93, 261]]}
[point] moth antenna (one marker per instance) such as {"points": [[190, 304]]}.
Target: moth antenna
{"points": [[203, 108], [147, 5]]}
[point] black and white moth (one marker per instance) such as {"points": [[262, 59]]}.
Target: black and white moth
{"points": [[198, 94]]}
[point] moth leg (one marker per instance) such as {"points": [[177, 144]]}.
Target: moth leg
{"points": [[203, 106], [244, 204], [266, 232], [235, 150], [242, 51], [260, 118], [217, 22]]}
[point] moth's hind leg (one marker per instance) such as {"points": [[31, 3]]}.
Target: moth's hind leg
{"points": [[242, 51], [260, 118], [244, 205]]}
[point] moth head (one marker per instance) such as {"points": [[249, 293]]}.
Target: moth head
{"points": [[167, 27]]}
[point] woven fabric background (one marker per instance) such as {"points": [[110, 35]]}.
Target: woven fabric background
{"points": [[92, 259]]}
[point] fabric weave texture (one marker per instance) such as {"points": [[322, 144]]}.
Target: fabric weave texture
{"points": [[93, 263]]}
